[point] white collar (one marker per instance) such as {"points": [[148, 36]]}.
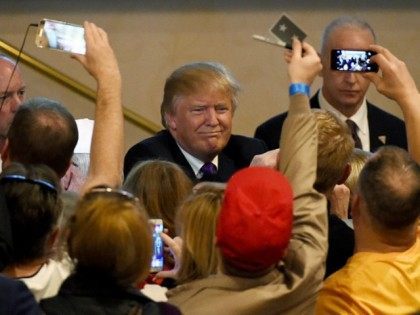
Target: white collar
{"points": [[360, 117], [195, 163]]}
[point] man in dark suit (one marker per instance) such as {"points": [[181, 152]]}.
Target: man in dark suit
{"points": [[197, 110], [343, 93]]}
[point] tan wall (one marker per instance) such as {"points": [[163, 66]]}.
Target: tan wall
{"points": [[151, 40]]}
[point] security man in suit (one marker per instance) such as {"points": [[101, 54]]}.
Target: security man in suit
{"points": [[197, 110], [344, 93]]}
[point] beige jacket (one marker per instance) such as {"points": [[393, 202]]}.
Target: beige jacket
{"points": [[292, 287]]}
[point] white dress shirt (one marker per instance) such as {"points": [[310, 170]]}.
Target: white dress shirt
{"points": [[359, 118]]}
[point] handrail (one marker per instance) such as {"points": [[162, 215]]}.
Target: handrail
{"points": [[76, 86]]}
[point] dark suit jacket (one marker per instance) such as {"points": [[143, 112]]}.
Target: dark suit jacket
{"points": [[15, 298], [381, 124], [237, 154]]}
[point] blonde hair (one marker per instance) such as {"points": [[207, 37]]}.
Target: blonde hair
{"points": [[197, 76], [335, 146], [111, 235], [161, 187], [198, 216], [358, 159]]}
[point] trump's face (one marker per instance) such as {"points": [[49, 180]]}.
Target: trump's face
{"points": [[201, 122]]}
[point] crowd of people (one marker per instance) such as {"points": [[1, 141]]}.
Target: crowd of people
{"points": [[317, 214]]}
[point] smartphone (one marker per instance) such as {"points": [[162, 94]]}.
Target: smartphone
{"points": [[157, 259], [61, 36], [353, 60]]}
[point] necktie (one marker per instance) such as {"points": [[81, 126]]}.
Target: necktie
{"points": [[208, 170], [353, 129]]}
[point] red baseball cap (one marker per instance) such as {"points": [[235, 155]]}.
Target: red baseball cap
{"points": [[255, 221]]}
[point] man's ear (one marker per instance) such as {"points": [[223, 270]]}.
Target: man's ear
{"points": [[345, 175], [52, 239], [170, 121], [325, 57], [355, 205]]}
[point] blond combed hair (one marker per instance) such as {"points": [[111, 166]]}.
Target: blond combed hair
{"points": [[335, 146], [198, 216], [112, 237], [197, 77]]}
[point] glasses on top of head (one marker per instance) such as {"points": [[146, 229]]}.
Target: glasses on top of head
{"points": [[123, 194], [20, 178]]}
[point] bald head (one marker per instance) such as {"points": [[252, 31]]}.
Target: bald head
{"points": [[389, 183]]}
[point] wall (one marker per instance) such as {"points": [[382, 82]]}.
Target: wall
{"points": [[151, 39]]}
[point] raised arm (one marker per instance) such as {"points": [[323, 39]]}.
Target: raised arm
{"points": [[305, 258], [396, 82], [106, 158]]}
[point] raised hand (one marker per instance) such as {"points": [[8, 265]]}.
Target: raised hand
{"points": [[304, 63], [395, 81]]}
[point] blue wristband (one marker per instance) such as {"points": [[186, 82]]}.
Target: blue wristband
{"points": [[298, 88]]}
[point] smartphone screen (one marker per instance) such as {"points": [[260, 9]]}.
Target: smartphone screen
{"points": [[61, 36], [157, 258], [353, 60]]}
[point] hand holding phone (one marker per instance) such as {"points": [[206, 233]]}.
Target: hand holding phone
{"points": [[61, 36], [353, 60]]}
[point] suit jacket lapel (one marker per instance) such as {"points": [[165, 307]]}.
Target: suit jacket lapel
{"points": [[314, 101], [225, 168], [377, 135], [179, 158]]}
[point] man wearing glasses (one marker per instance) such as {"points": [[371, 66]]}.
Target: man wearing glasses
{"points": [[12, 94]]}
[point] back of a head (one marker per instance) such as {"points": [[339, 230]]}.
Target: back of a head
{"points": [[161, 186], [389, 184], [197, 218], [31, 196], [43, 132], [335, 146], [110, 237], [255, 221], [196, 77], [344, 22]]}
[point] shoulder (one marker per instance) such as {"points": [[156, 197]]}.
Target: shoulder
{"points": [[274, 122], [270, 130], [378, 114], [15, 298], [162, 138], [160, 146], [386, 126], [241, 144], [361, 272]]}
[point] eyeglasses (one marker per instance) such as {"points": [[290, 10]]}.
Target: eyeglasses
{"points": [[123, 194], [23, 179]]}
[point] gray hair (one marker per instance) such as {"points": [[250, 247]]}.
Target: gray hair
{"points": [[341, 22]]}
